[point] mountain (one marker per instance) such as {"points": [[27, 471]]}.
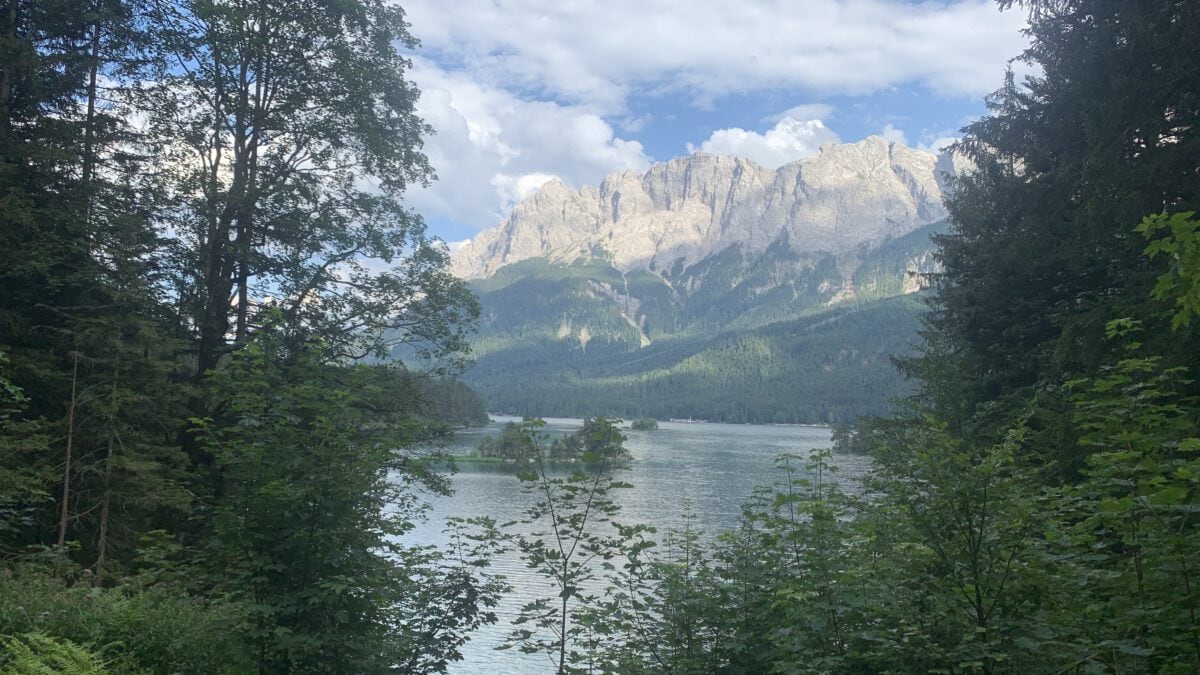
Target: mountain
{"points": [[710, 287], [690, 208]]}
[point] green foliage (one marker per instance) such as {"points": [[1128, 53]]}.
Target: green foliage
{"points": [[513, 443], [144, 462], [23, 480], [38, 654], [828, 367], [659, 605], [598, 441], [571, 537], [1131, 522], [799, 586], [782, 576], [973, 512], [138, 627], [451, 401], [448, 594], [1181, 245], [1041, 491], [305, 534], [1041, 254], [276, 207], [644, 424]]}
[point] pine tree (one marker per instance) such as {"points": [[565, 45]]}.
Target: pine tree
{"points": [[1042, 251]]}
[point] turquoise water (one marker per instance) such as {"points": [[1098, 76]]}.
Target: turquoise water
{"points": [[711, 467]]}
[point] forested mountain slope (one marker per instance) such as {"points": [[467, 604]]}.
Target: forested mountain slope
{"points": [[775, 336], [670, 293], [825, 367]]}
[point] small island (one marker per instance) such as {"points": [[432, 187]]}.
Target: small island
{"points": [[521, 443], [644, 424]]}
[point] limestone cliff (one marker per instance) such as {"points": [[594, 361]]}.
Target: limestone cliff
{"points": [[687, 209]]}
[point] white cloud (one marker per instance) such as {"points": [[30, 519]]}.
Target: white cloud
{"points": [[938, 144], [789, 140], [513, 189], [523, 89], [597, 53], [491, 147], [804, 111], [634, 124], [936, 140], [456, 246], [891, 134]]}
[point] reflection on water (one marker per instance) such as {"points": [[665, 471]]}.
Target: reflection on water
{"points": [[712, 467]]}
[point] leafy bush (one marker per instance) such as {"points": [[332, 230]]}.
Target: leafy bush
{"points": [[134, 628]]}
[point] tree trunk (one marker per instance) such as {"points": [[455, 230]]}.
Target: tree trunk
{"points": [[64, 514], [89, 128], [106, 500]]}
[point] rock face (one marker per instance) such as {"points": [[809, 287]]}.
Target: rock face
{"points": [[685, 210]]}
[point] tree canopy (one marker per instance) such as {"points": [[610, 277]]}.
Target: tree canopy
{"points": [[201, 235]]}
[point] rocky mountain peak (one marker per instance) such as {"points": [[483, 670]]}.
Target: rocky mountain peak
{"points": [[690, 207]]}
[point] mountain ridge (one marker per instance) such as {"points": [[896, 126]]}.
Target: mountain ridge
{"points": [[686, 209], [707, 279]]}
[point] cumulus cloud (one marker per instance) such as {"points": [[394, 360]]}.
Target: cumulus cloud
{"points": [[456, 246], [525, 89], [634, 124], [597, 53], [936, 140], [789, 140], [891, 134], [804, 111], [491, 147], [937, 144], [513, 189]]}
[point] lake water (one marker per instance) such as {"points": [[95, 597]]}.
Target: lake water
{"points": [[712, 467]]}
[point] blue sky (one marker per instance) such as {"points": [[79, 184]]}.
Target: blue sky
{"points": [[522, 91]]}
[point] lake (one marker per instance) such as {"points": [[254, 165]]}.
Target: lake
{"points": [[711, 467]]}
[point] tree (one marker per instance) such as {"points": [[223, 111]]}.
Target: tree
{"points": [[23, 479], [1041, 253], [179, 180], [568, 541], [1181, 244], [316, 499], [287, 131], [663, 607], [1130, 524], [972, 515], [81, 310], [514, 442], [644, 424], [599, 441]]}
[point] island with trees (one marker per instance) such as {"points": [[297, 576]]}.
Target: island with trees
{"points": [[597, 439], [644, 424]]}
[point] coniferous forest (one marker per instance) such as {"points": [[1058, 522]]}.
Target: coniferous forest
{"points": [[204, 467], [200, 234]]}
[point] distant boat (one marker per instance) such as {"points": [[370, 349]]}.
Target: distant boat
{"points": [[688, 420]]}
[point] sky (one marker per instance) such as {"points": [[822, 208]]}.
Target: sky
{"points": [[523, 91]]}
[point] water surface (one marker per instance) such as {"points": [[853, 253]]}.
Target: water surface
{"points": [[711, 467]]}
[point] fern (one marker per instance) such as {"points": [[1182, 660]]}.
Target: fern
{"points": [[40, 654]]}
